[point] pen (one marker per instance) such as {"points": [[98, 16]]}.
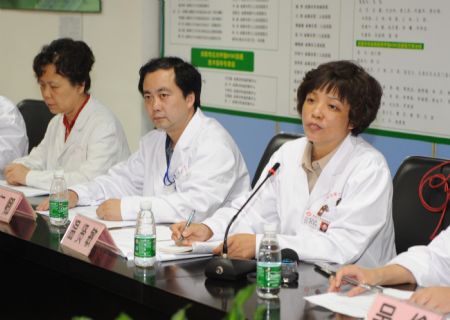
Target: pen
{"points": [[349, 280], [188, 223], [121, 227], [356, 283]]}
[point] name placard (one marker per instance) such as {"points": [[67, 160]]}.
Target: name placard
{"points": [[83, 233], [14, 202], [388, 308]]}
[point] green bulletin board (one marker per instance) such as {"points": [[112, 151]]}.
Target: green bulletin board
{"points": [[253, 55], [93, 6]]}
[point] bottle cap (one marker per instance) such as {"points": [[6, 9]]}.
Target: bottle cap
{"points": [[59, 173], [146, 204], [270, 227]]}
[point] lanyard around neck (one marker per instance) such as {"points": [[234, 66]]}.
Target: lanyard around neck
{"points": [[169, 152]]}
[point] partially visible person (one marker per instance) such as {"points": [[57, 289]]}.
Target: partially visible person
{"points": [[427, 266], [13, 134], [84, 138], [190, 162], [331, 197]]}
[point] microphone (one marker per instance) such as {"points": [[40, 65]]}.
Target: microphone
{"points": [[222, 268], [288, 253]]}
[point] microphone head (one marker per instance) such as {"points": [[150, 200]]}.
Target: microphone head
{"points": [[288, 253], [273, 169]]}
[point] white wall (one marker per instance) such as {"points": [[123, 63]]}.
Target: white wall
{"points": [[123, 36]]}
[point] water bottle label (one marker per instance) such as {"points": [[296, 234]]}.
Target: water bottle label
{"points": [[144, 246], [268, 275], [59, 209]]}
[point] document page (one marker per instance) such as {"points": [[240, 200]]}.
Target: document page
{"points": [[357, 306], [197, 247], [124, 239], [27, 191], [90, 212]]}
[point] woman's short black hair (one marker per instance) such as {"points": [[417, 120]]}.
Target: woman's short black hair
{"points": [[352, 84], [72, 59], [187, 77]]}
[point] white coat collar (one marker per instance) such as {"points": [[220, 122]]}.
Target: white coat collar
{"points": [[335, 166], [187, 140], [80, 123], [191, 131], [84, 115]]}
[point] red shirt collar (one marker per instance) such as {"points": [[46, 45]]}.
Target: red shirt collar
{"points": [[69, 125]]}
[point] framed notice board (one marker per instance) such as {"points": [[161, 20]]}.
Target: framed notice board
{"points": [[253, 55], [91, 6]]}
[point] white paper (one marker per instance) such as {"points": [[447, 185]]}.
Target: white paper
{"points": [[197, 247], [124, 239], [27, 191], [357, 306], [90, 212]]}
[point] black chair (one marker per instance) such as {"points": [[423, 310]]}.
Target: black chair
{"points": [[37, 116], [413, 223], [273, 145]]}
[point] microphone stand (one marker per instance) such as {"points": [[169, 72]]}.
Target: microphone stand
{"points": [[222, 268]]}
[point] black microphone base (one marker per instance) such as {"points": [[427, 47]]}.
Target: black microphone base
{"points": [[220, 268]]}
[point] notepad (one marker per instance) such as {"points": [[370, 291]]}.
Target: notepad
{"points": [[197, 247], [90, 212], [124, 239]]}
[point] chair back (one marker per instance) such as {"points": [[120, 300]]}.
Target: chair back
{"points": [[273, 145], [413, 223], [36, 116]]}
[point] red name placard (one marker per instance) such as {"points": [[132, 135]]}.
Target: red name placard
{"points": [[388, 308], [83, 233], [14, 202]]}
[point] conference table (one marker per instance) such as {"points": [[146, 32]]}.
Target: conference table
{"points": [[43, 280]]}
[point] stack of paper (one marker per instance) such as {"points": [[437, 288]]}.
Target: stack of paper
{"points": [[197, 247], [90, 212], [357, 306], [27, 191], [166, 250]]}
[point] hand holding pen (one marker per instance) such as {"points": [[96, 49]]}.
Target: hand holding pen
{"points": [[362, 279], [356, 283], [195, 232]]}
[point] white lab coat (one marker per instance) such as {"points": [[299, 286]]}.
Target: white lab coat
{"points": [[13, 134], [355, 185], [96, 143], [430, 264], [208, 169]]}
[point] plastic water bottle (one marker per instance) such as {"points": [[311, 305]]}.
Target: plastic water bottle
{"points": [[145, 237], [268, 271], [59, 200]]}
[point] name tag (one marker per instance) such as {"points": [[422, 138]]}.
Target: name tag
{"points": [[311, 220], [83, 233], [14, 202], [389, 308], [315, 221]]}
